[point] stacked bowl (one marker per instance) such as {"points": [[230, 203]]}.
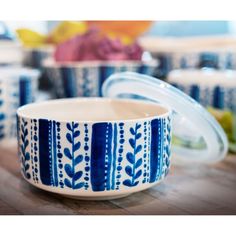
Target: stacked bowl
{"points": [[85, 79], [197, 52], [18, 86]]}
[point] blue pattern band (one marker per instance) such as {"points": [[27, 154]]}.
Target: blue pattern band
{"points": [[98, 157], [218, 97]]}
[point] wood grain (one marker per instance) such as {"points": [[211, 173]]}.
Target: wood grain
{"points": [[198, 190]]}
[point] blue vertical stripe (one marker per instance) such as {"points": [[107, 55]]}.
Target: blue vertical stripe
{"points": [[165, 65], [2, 116], [155, 144], [143, 69], [195, 92], [36, 59], [114, 157], [218, 97], [98, 151], [104, 73], [44, 154], [25, 90], [109, 155], [69, 81], [54, 148]]}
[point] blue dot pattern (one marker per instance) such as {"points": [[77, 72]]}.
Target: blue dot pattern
{"points": [[120, 155], [59, 155], [87, 158]]}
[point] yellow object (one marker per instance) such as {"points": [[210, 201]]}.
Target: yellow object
{"points": [[66, 30], [124, 38], [30, 38], [226, 120]]}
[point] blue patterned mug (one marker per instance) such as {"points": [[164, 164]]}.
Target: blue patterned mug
{"points": [[94, 148], [18, 86]]}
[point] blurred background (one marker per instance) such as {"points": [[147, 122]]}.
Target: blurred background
{"points": [[73, 59], [161, 28]]}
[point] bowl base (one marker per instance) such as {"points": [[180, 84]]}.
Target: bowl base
{"points": [[96, 198]]}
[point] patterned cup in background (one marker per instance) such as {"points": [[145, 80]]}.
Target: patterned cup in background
{"points": [[191, 53], [214, 89], [85, 79], [209, 87], [18, 86], [34, 57]]}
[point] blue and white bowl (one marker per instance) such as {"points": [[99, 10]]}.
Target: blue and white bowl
{"points": [[209, 87], [85, 79], [18, 86], [94, 148], [191, 53]]}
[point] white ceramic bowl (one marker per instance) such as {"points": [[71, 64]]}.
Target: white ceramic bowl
{"points": [[94, 148], [85, 79], [18, 86]]}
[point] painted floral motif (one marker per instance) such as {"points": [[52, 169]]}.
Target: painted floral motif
{"points": [[25, 156], [132, 157], [217, 97], [74, 157], [166, 147], [101, 157]]}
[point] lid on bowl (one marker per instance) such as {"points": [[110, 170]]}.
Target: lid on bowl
{"points": [[197, 136]]}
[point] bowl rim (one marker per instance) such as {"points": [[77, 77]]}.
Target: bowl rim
{"points": [[51, 63], [167, 110]]}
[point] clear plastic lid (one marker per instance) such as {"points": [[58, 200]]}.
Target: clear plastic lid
{"points": [[197, 136]]}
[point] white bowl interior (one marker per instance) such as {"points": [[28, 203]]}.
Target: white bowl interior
{"points": [[92, 109]]}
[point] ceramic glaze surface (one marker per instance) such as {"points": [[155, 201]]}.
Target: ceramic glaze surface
{"points": [[208, 87], [217, 96], [85, 79], [110, 158], [171, 61], [17, 87]]}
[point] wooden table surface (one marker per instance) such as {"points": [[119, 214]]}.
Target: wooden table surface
{"points": [[186, 190]]}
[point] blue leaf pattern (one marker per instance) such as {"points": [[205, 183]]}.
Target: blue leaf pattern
{"points": [[131, 158], [25, 156], [67, 153], [75, 159], [167, 147], [129, 171], [78, 159]]}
